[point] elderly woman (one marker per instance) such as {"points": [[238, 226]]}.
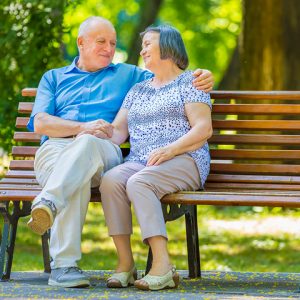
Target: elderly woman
{"points": [[169, 122]]}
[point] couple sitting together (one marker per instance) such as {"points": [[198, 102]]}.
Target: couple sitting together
{"points": [[84, 112]]}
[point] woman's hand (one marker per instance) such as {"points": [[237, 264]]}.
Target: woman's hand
{"points": [[160, 155]]}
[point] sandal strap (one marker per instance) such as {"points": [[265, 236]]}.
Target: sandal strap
{"points": [[122, 277], [154, 280]]}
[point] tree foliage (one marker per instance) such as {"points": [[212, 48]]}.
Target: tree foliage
{"points": [[30, 43]]}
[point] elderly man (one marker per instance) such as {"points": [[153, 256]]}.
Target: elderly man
{"points": [[82, 97]]}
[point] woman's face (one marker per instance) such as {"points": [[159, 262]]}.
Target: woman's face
{"points": [[151, 50]]}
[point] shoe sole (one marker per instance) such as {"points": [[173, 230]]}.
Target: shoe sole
{"points": [[71, 284], [41, 219], [172, 284]]}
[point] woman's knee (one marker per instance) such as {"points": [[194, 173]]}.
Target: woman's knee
{"points": [[110, 181], [135, 184]]}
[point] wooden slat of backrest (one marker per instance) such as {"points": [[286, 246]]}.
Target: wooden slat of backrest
{"points": [[26, 137], [30, 187], [21, 165], [272, 169], [19, 181], [254, 139], [257, 109], [20, 174], [268, 95], [227, 178], [21, 122], [25, 107], [257, 124], [24, 151], [255, 154], [256, 95]]}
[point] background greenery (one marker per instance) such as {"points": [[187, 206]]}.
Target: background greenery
{"points": [[37, 35]]}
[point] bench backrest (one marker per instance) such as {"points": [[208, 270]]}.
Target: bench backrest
{"points": [[256, 139]]}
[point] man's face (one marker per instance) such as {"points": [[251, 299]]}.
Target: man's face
{"points": [[97, 47]]}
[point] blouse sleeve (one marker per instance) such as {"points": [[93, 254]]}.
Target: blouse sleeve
{"points": [[189, 93]]}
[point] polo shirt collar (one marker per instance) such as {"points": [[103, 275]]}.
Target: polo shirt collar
{"points": [[73, 66]]}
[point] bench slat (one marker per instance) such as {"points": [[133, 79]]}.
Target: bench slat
{"points": [[254, 139], [25, 151], [254, 186], [253, 178], [26, 137], [20, 174], [21, 122], [256, 124], [227, 124], [31, 187], [19, 181], [270, 169], [282, 95], [255, 154], [259, 109], [233, 199], [25, 107]]}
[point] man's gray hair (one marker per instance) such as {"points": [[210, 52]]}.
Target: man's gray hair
{"points": [[171, 44], [86, 25]]}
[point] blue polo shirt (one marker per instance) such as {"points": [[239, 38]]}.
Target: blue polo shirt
{"points": [[73, 94]]}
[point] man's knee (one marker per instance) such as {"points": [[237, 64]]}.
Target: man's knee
{"points": [[86, 139]]}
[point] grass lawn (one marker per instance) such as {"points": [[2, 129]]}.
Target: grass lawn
{"points": [[237, 239]]}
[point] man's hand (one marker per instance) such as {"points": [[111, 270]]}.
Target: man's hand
{"points": [[204, 80], [160, 155], [98, 128]]}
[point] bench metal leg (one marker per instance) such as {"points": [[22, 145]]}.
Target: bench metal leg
{"points": [[45, 248], [9, 233], [173, 212], [193, 242]]}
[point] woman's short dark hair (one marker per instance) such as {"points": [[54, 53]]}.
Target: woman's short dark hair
{"points": [[171, 44]]}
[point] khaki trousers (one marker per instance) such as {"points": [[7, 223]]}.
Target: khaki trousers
{"points": [[144, 187], [67, 168]]}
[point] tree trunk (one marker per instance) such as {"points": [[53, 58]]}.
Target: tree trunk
{"points": [[269, 45], [148, 13]]}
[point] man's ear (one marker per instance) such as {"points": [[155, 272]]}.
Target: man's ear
{"points": [[80, 42]]}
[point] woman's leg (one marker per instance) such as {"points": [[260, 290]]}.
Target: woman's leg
{"points": [[146, 188], [117, 211]]}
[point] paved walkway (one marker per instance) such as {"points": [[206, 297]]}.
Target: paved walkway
{"points": [[213, 285]]}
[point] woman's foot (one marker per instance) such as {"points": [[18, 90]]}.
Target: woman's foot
{"points": [[121, 278], [154, 280]]}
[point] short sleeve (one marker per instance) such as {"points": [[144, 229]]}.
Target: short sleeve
{"points": [[131, 95], [189, 93], [44, 100]]}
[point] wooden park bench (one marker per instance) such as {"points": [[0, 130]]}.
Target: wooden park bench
{"points": [[255, 152]]}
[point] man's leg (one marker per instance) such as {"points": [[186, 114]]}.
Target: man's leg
{"points": [[68, 187], [76, 165]]}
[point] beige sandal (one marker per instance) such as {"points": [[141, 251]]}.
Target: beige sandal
{"points": [[122, 279], [154, 283]]}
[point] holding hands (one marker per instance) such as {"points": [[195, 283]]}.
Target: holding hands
{"points": [[98, 128]]}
